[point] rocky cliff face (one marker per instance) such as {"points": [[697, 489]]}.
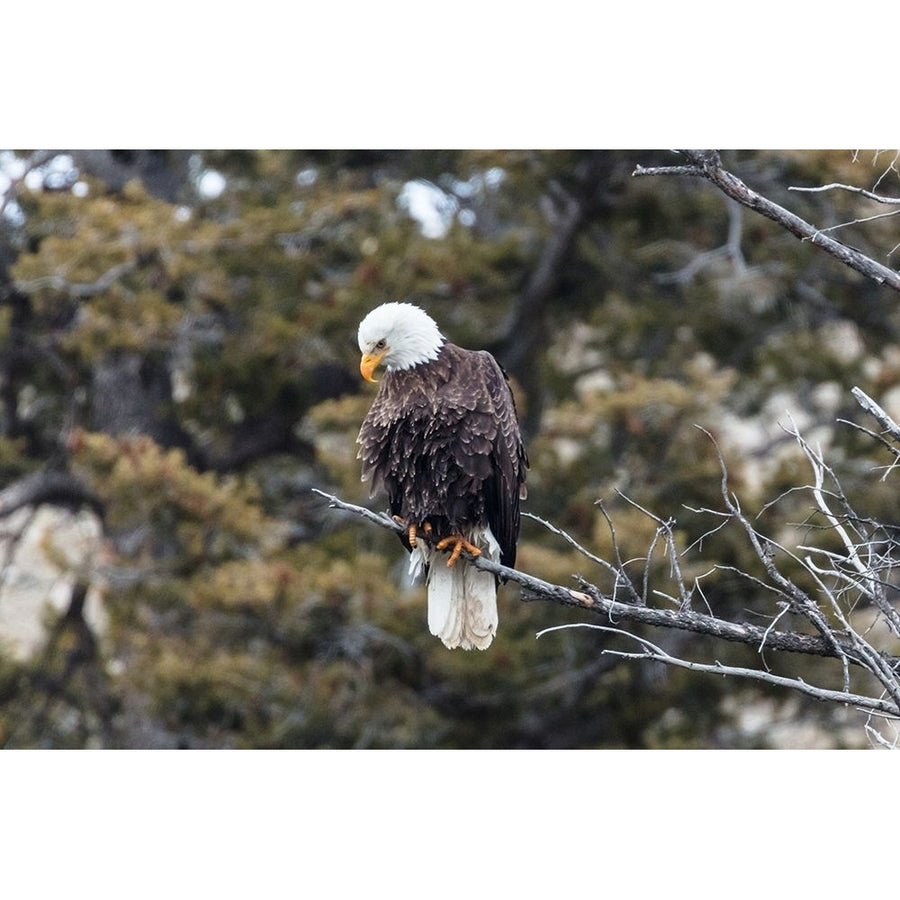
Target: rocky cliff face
{"points": [[47, 553]]}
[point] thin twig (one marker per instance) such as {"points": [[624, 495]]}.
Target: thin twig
{"points": [[650, 651], [879, 198], [871, 407]]}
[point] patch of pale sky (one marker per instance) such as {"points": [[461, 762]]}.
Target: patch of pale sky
{"points": [[429, 206], [11, 166], [434, 209], [211, 184]]}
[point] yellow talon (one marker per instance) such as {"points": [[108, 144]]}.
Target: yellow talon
{"points": [[411, 530], [459, 544]]}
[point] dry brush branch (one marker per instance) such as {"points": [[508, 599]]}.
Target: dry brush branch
{"points": [[849, 648], [858, 572], [853, 571]]}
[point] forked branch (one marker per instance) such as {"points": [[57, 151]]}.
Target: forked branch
{"points": [[851, 570], [592, 599], [708, 165], [627, 603]]}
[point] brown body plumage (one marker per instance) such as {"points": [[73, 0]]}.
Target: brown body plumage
{"points": [[443, 440]]}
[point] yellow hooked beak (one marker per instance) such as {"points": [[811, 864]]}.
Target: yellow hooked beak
{"points": [[369, 363]]}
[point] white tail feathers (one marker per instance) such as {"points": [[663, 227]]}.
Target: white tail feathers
{"points": [[462, 600]]}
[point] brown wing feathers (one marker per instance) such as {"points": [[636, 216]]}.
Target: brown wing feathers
{"points": [[443, 438]]}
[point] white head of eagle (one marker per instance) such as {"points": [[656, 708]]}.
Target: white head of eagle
{"points": [[399, 335], [442, 439]]}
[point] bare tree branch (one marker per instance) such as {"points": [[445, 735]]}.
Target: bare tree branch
{"points": [[650, 651], [595, 601], [846, 645], [855, 573], [871, 407], [79, 290], [57, 488], [886, 215], [543, 589], [871, 195], [708, 165], [730, 250]]}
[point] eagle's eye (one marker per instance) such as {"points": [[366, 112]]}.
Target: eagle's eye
{"points": [[381, 344]]}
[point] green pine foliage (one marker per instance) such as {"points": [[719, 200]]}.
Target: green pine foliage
{"points": [[193, 362]]}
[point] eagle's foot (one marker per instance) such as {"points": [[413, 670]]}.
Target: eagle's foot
{"points": [[459, 544], [412, 529]]}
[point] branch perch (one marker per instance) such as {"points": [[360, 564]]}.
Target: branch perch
{"points": [[593, 600], [858, 572], [542, 589], [855, 651]]}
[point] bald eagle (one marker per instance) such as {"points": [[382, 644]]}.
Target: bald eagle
{"points": [[442, 439]]}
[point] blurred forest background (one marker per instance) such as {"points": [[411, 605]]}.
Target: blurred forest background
{"points": [[178, 369]]}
